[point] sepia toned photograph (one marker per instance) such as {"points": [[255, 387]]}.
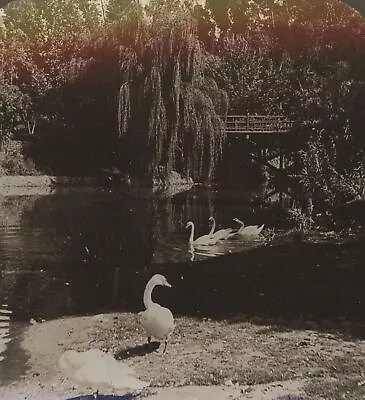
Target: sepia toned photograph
{"points": [[182, 199]]}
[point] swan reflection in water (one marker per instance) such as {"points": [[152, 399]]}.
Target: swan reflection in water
{"points": [[203, 252], [170, 251]]}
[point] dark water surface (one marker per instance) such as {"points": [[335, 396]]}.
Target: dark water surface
{"points": [[87, 251], [91, 251], [71, 252]]}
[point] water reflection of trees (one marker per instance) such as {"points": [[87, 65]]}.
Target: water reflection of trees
{"points": [[198, 205], [97, 244], [101, 250], [174, 213], [85, 250], [95, 249]]}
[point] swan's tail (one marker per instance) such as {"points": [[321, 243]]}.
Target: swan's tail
{"points": [[261, 228]]}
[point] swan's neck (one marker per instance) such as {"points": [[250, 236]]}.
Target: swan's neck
{"points": [[240, 222], [191, 238], [213, 227], [147, 296]]}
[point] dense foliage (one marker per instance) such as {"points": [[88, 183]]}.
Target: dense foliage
{"points": [[144, 88], [14, 108], [167, 99]]}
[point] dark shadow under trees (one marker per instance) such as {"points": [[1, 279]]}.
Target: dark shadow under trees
{"points": [[310, 280]]}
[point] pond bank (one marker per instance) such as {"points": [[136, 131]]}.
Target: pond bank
{"points": [[42, 184], [18, 185], [205, 358]]}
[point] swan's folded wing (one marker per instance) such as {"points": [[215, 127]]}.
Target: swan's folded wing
{"points": [[204, 240], [222, 234], [158, 321]]}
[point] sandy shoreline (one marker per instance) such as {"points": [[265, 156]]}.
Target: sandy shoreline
{"points": [[257, 392]]}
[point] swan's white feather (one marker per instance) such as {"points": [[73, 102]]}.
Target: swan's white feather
{"points": [[206, 240], [157, 321], [251, 230], [96, 367], [222, 234]]}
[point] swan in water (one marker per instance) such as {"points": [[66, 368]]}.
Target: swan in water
{"points": [[222, 234], [205, 240], [251, 230], [157, 321]]}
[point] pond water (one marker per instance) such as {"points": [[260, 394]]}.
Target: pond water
{"points": [[65, 253], [77, 251], [90, 251]]}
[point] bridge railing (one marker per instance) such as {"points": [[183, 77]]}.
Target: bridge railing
{"points": [[258, 124]]}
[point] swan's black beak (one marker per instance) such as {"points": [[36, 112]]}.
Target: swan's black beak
{"points": [[167, 284]]}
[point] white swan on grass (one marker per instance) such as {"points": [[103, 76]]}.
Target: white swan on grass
{"points": [[97, 367], [250, 230], [157, 321], [204, 240], [222, 234]]}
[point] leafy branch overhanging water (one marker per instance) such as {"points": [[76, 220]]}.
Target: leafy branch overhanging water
{"points": [[167, 97]]}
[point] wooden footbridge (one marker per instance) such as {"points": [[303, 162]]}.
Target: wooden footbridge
{"points": [[257, 124], [267, 141]]}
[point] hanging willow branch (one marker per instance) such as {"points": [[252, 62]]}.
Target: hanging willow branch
{"points": [[157, 122], [175, 99], [124, 108], [171, 101]]}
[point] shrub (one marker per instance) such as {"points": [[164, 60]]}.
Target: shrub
{"points": [[14, 162], [14, 108]]}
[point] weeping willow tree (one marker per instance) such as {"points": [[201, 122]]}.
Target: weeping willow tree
{"points": [[168, 105]]}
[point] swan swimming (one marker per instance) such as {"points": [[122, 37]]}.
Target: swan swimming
{"points": [[251, 230], [157, 321], [222, 234], [205, 240]]}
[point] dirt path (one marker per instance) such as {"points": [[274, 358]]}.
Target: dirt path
{"points": [[205, 360]]}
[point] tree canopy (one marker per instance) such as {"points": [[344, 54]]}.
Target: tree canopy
{"points": [[151, 84]]}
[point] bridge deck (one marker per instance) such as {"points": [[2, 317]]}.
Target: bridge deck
{"points": [[260, 124]]}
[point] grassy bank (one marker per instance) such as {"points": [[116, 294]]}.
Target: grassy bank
{"points": [[240, 356], [19, 175]]}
